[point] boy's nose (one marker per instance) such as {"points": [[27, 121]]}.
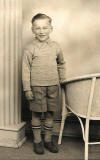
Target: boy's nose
{"points": [[41, 30]]}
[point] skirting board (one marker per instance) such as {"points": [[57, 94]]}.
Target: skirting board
{"points": [[72, 128]]}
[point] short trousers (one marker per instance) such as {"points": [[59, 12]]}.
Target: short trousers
{"points": [[45, 98]]}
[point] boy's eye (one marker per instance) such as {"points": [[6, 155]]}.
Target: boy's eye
{"points": [[45, 28], [37, 28]]}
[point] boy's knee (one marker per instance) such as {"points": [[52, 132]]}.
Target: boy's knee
{"points": [[48, 118], [48, 115], [36, 122], [36, 119]]}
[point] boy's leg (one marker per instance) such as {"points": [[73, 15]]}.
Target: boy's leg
{"points": [[52, 105], [48, 126], [36, 128]]}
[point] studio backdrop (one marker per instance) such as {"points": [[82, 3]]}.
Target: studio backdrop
{"points": [[76, 27]]}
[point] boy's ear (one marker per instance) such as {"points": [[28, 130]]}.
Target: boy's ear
{"points": [[51, 28]]}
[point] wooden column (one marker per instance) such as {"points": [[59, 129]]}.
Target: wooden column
{"points": [[11, 128]]}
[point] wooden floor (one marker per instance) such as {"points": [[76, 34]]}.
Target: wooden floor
{"points": [[70, 149]]}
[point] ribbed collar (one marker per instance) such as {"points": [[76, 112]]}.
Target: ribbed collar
{"points": [[39, 44]]}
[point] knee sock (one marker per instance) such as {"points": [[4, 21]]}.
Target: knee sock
{"points": [[37, 135], [36, 127], [48, 127], [48, 135]]}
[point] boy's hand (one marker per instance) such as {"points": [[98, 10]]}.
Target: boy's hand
{"points": [[29, 95]]}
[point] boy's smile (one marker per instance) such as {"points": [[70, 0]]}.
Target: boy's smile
{"points": [[41, 28]]}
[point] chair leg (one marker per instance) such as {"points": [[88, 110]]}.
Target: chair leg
{"points": [[86, 139], [64, 115], [86, 151], [61, 130], [88, 117]]}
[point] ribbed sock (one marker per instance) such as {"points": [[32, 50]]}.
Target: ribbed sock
{"points": [[48, 136], [37, 135]]}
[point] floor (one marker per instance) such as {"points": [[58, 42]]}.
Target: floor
{"points": [[70, 149]]}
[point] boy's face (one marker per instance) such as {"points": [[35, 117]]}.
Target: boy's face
{"points": [[41, 28]]}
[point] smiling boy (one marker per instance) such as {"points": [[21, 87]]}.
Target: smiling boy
{"points": [[43, 68]]}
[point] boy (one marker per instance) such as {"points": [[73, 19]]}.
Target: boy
{"points": [[42, 69]]}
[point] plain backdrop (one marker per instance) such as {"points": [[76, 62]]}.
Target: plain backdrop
{"points": [[76, 27]]}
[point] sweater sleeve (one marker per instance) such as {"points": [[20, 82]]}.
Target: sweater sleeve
{"points": [[61, 64], [26, 70]]}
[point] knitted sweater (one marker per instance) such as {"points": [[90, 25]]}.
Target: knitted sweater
{"points": [[42, 65]]}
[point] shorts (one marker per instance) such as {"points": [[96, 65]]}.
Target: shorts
{"points": [[45, 98]]}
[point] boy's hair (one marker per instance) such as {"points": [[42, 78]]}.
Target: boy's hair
{"points": [[41, 16]]}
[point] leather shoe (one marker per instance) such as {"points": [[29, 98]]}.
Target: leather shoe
{"points": [[38, 148], [51, 146]]}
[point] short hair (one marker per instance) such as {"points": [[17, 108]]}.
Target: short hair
{"points": [[41, 16]]}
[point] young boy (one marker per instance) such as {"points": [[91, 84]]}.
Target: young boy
{"points": [[43, 68]]}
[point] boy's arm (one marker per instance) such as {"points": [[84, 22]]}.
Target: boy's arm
{"points": [[61, 65], [26, 74], [26, 70]]}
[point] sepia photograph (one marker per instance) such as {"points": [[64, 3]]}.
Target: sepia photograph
{"points": [[50, 80]]}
